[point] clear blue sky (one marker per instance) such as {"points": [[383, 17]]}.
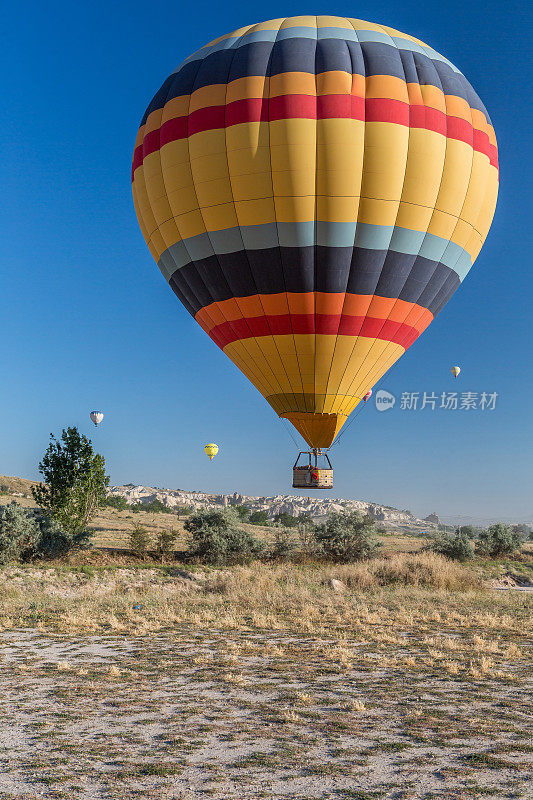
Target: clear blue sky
{"points": [[88, 321]]}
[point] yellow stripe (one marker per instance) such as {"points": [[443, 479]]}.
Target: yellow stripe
{"points": [[336, 371]]}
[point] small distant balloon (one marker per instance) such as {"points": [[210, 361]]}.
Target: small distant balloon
{"points": [[96, 417], [211, 450], [368, 395], [455, 371]]}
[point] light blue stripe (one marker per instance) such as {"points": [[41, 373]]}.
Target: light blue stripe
{"points": [[296, 234], [373, 237], [375, 36], [259, 237], [335, 234], [433, 247], [172, 259], [229, 241], [462, 263], [296, 33], [346, 34], [406, 241], [323, 234]]}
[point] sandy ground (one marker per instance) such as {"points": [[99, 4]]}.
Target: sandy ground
{"points": [[242, 715]]}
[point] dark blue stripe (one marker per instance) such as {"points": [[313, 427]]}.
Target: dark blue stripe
{"points": [[356, 270]]}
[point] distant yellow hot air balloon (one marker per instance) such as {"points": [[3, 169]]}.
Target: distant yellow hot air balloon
{"points": [[455, 371], [314, 190], [211, 450]]}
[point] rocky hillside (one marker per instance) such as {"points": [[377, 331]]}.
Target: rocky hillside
{"points": [[318, 507]]}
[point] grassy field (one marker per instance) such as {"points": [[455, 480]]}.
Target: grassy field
{"points": [[121, 679]]}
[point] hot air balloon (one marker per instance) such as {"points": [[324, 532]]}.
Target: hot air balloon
{"points": [[455, 371], [368, 395], [314, 190], [96, 417], [211, 450]]}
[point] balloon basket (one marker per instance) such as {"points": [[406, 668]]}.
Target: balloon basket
{"points": [[317, 473]]}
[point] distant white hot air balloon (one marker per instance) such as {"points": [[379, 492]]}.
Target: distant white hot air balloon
{"points": [[455, 371], [96, 417]]}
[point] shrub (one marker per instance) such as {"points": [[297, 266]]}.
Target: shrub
{"points": [[185, 510], [305, 522], [456, 546], [54, 541], [216, 539], [258, 518], [499, 540], [19, 533], [139, 541], [25, 535], [165, 543], [283, 546], [116, 501], [348, 536]]}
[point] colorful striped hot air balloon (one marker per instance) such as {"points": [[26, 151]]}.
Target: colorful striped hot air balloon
{"points": [[455, 371], [315, 189]]}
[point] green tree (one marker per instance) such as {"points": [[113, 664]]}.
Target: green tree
{"points": [[243, 511], [75, 483], [217, 539], [286, 519], [467, 530], [457, 546], [116, 501], [525, 531], [348, 536], [258, 518], [499, 540]]}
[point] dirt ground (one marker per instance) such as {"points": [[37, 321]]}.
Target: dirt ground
{"points": [[243, 714]]}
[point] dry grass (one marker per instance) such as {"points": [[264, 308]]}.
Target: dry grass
{"points": [[426, 570]]}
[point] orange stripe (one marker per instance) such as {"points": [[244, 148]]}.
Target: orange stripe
{"points": [[334, 304]]}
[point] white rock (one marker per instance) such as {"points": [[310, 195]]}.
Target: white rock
{"points": [[336, 585]]}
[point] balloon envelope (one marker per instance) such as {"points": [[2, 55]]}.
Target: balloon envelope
{"points": [[368, 395], [211, 450], [96, 417], [314, 189], [455, 371]]}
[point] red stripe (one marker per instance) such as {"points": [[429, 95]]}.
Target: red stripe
{"points": [[303, 106], [380, 110], [332, 324]]}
